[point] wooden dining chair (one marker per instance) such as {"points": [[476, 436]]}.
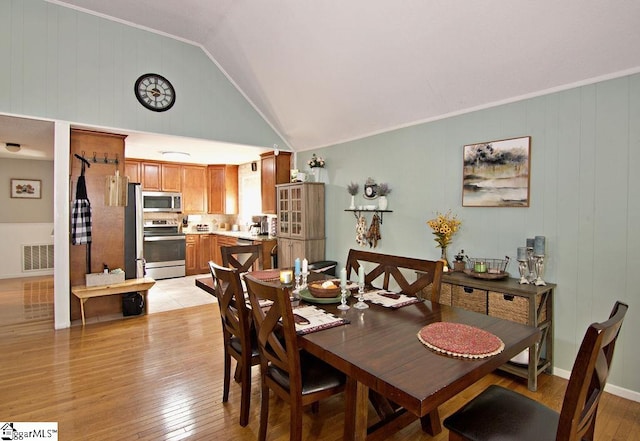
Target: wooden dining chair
{"points": [[296, 376], [395, 268], [242, 257], [238, 334], [499, 413]]}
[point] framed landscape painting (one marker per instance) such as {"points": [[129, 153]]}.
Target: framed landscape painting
{"points": [[496, 173]]}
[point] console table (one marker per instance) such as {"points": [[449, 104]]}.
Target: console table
{"points": [[507, 299], [84, 293]]}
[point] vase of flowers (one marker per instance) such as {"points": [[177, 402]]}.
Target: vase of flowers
{"points": [[353, 191], [315, 164], [443, 227], [383, 191]]}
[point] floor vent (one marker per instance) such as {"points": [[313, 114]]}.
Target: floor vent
{"points": [[37, 257]]}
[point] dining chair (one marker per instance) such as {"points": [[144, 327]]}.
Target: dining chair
{"points": [[238, 334], [499, 413], [242, 257], [395, 268], [296, 376]]}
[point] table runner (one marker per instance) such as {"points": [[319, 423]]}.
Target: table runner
{"points": [[460, 340]]}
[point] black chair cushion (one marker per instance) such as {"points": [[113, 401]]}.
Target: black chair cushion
{"points": [[316, 375], [503, 415], [235, 344]]}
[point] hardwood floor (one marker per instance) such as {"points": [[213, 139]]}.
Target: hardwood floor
{"points": [[159, 377]]}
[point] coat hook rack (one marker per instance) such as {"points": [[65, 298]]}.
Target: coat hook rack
{"points": [[105, 160]]}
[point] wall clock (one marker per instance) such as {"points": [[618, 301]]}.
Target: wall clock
{"points": [[155, 92]]}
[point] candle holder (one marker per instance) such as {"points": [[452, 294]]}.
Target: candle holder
{"points": [[303, 285], [523, 268], [539, 270], [297, 287], [361, 303], [343, 299], [531, 265]]}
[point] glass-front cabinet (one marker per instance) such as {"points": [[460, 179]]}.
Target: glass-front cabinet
{"points": [[300, 222]]}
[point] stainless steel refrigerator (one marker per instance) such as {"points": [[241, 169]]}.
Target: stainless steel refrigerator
{"points": [[133, 234]]}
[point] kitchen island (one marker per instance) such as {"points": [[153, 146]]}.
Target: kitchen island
{"points": [[203, 246]]}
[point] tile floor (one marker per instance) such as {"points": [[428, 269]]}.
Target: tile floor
{"points": [[178, 293]]}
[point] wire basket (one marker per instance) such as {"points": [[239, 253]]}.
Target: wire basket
{"points": [[482, 266]]}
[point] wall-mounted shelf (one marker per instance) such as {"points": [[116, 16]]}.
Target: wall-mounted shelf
{"points": [[357, 212]]}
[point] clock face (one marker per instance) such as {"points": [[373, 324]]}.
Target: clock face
{"points": [[155, 92]]}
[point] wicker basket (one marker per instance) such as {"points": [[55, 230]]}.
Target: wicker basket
{"points": [[514, 308], [469, 298]]}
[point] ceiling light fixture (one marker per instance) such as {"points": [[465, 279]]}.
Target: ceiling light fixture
{"points": [[13, 147], [176, 156]]}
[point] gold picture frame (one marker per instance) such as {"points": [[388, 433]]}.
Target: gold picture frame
{"points": [[26, 188]]}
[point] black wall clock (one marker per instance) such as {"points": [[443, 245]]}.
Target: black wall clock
{"points": [[155, 92]]}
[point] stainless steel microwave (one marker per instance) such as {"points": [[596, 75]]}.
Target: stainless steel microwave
{"points": [[162, 201]]}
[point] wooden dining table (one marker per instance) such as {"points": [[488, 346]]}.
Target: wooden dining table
{"points": [[379, 351], [387, 365]]}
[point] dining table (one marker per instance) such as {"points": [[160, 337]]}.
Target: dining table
{"points": [[379, 350], [387, 365]]}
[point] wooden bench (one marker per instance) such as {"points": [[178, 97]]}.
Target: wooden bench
{"points": [[84, 293], [391, 268]]}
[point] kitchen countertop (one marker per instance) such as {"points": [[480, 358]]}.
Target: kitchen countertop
{"points": [[239, 234]]}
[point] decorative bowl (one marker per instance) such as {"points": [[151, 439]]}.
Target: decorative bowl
{"points": [[316, 290], [369, 207]]}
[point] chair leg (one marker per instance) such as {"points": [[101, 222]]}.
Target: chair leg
{"points": [[237, 375], [295, 421], [245, 396], [227, 376], [264, 412]]}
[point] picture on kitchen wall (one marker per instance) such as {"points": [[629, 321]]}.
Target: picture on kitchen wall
{"points": [[26, 188], [496, 173]]}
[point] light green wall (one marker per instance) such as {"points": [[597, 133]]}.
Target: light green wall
{"points": [[59, 63], [585, 157]]}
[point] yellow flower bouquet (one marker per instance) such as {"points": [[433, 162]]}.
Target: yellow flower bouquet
{"points": [[444, 227]]}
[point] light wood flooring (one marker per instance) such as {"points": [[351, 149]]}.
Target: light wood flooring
{"points": [[159, 377]]}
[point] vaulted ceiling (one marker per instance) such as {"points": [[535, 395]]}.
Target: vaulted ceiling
{"points": [[327, 71]]}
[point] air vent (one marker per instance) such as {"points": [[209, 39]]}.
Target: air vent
{"points": [[37, 257]]}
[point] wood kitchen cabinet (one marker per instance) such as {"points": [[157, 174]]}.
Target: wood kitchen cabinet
{"points": [[222, 241], [200, 249], [527, 304], [301, 223], [160, 176], [194, 190], [223, 189], [132, 170], [275, 170]]}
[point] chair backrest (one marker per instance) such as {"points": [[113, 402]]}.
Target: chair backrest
{"points": [[427, 272], [589, 376], [276, 329], [242, 257], [235, 315]]}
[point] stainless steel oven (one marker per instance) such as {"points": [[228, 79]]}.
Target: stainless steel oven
{"points": [[164, 249]]}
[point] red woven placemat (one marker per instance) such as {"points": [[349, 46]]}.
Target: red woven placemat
{"points": [[460, 340]]}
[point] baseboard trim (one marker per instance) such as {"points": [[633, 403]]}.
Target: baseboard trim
{"points": [[611, 388]]}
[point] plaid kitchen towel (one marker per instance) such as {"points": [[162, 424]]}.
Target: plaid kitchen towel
{"points": [[81, 215]]}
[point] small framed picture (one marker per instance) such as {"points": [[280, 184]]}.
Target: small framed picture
{"points": [[26, 188]]}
